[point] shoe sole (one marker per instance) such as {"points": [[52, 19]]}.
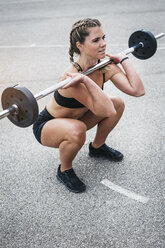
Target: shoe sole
{"points": [[72, 190], [104, 156]]}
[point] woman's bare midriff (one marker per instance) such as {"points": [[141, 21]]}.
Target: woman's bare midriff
{"points": [[61, 112]]}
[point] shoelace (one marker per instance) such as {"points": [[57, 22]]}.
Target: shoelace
{"points": [[71, 174], [109, 148]]}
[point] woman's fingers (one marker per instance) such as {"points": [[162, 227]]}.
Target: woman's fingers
{"points": [[69, 74], [116, 58], [75, 79], [72, 74], [113, 58]]}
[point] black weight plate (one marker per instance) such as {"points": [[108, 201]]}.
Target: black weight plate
{"points": [[149, 41], [27, 105]]}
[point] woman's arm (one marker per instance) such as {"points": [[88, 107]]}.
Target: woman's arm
{"points": [[90, 94], [128, 82]]}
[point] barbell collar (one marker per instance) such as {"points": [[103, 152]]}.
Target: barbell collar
{"points": [[133, 48], [13, 109]]}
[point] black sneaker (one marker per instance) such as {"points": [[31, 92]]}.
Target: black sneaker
{"points": [[105, 152], [70, 180]]}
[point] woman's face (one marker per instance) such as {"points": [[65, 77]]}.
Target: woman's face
{"points": [[94, 45]]}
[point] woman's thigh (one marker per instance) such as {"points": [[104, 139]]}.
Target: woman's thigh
{"points": [[57, 130]]}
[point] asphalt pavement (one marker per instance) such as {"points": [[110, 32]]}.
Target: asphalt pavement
{"points": [[124, 204]]}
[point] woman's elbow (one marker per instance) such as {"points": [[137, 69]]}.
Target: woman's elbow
{"points": [[110, 112], [140, 93]]}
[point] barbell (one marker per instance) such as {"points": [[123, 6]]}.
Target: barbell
{"points": [[20, 105]]}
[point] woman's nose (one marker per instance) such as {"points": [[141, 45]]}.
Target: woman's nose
{"points": [[103, 43]]}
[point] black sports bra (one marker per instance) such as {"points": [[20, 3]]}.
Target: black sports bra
{"points": [[71, 102]]}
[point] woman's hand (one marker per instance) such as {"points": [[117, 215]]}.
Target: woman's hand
{"points": [[76, 78], [117, 58]]}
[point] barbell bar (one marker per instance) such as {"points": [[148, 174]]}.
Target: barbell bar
{"points": [[20, 105]]}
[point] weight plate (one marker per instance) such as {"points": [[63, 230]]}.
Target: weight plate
{"points": [[148, 40], [27, 105]]}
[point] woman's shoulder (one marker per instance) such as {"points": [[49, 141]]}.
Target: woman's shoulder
{"points": [[71, 68]]}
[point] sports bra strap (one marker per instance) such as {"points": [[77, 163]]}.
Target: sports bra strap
{"points": [[103, 77], [78, 67]]}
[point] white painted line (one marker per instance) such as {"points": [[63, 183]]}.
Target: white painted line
{"points": [[21, 2], [33, 46], [41, 46], [161, 48], [125, 192]]}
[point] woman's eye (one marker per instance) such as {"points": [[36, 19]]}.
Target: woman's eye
{"points": [[96, 40]]}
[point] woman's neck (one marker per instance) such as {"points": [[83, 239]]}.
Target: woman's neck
{"points": [[87, 63]]}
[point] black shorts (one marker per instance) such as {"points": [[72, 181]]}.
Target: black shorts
{"points": [[43, 117]]}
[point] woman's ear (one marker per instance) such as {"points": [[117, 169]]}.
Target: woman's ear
{"points": [[79, 46]]}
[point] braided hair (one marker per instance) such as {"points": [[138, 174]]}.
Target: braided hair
{"points": [[79, 32]]}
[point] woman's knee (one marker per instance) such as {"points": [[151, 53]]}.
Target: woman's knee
{"points": [[119, 103], [78, 133]]}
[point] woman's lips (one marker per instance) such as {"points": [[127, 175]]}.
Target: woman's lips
{"points": [[102, 51]]}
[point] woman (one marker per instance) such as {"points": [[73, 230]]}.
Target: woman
{"points": [[82, 104]]}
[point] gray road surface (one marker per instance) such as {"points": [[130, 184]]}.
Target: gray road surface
{"points": [[36, 210]]}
